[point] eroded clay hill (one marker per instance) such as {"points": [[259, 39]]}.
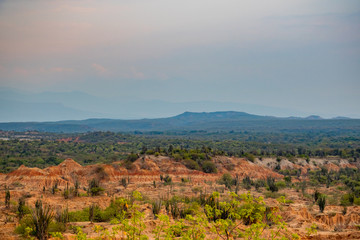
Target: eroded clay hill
{"points": [[143, 169], [148, 168]]}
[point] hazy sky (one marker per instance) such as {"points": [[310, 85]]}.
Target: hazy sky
{"points": [[302, 55]]}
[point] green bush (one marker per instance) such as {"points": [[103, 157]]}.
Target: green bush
{"points": [[357, 201], [273, 194], [322, 202], [209, 167], [57, 227], [79, 216], [132, 157], [191, 164], [227, 180], [94, 188], [280, 184], [347, 199], [25, 222], [271, 184]]}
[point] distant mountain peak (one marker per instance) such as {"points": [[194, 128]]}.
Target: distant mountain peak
{"points": [[219, 115], [340, 118], [314, 117]]}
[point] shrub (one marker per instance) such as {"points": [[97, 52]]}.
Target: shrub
{"points": [[321, 202], [22, 210], [209, 167], [156, 206], [123, 182], [42, 216], [132, 157], [79, 216], [271, 184], [273, 194], [317, 194], [280, 184], [76, 190], [56, 227], [247, 182], [94, 188], [227, 180], [191, 164], [7, 199], [25, 223], [167, 180], [347, 199], [250, 157]]}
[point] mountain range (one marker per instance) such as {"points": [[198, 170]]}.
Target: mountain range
{"points": [[189, 121]]}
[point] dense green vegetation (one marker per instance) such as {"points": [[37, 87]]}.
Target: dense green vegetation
{"points": [[195, 148]]}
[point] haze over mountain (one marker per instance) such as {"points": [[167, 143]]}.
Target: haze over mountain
{"points": [[17, 106]]}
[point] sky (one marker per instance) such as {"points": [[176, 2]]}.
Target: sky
{"points": [[302, 55]]}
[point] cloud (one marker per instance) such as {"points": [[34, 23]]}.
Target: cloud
{"points": [[135, 74], [100, 69], [61, 70]]}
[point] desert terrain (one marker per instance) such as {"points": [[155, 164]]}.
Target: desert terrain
{"points": [[297, 208]]}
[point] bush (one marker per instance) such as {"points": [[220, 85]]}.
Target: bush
{"points": [[280, 184], [250, 157], [317, 194], [132, 157], [24, 223], [347, 199], [167, 180], [22, 210], [209, 167], [7, 199], [273, 195], [42, 217], [271, 184], [156, 206], [227, 180], [79, 216], [322, 202], [94, 188], [191, 164], [57, 227]]}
